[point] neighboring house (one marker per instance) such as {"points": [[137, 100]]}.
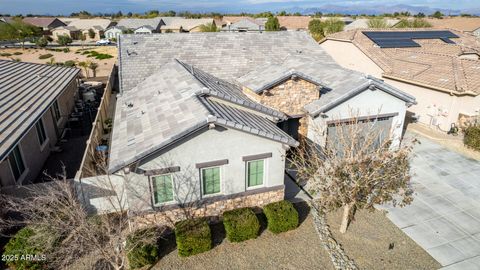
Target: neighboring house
{"points": [[98, 26], [345, 20], [181, 25], [36, 101], [210, 117], [70, 31], [45, 23], [294, 23], [6, 19], [363, 24], [443, 73], [245, 25], [68, 20], [114, 32], [141, 26], [464, 24]]}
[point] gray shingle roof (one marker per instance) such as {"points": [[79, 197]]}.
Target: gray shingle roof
{"points": [[245, 24], [137, 23], [26, 91], [174, 102]]}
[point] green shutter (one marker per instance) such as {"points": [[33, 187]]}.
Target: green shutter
{"points": [[211, 180], [255, 172], [162, 188]]}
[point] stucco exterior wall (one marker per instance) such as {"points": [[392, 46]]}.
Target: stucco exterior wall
{"points": [[434, 108], [113, 33], [209, 145], [367, 103], [34, 154]]}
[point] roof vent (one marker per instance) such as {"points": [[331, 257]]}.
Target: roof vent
{"points": [[131, 53], [299, 51], [129, 104], [135, 42]]}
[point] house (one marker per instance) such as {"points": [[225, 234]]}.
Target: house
{"points": [[141, 26], [463, 24], [6, 19], [45, 23], [294, 23], [245, 25], [114, 32], [36, 101], [363, 24], [70, 31], [85, 27], [209, 117], [181, 25], [440, 68]]}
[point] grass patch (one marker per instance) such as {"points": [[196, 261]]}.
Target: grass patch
{"points": [[45, 56]]}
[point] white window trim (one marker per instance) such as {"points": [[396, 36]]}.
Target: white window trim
{"points": [[59, 120], [173, 201], [264, 174], [221, 182], [47, 139], [22, 177]]}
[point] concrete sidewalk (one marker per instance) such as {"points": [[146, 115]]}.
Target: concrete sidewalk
{"points": [[444, 217]]}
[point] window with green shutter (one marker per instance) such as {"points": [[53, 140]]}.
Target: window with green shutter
{"points": [[162, 188], [255, 170], [211, 180]]}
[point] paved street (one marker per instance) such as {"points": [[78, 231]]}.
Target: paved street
{"points": [[444, 217]]}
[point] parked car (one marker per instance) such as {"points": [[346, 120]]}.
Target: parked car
{"points": [[103, 42]]}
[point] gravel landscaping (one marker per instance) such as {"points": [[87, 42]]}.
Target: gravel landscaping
{"points": [[367, 241], [374, 242]]}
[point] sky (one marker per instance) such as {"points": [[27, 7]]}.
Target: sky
{"points": [[57, 7]]}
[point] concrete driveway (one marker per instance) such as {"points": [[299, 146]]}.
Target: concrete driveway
{"points": [[444, 217]]}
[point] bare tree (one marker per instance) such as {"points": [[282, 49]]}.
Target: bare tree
{"points": [[358, 168]]}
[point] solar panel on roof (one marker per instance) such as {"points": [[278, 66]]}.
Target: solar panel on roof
{"points": [[402, 39]]}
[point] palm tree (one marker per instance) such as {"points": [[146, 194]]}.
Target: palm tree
{"points": [[93, 66]]}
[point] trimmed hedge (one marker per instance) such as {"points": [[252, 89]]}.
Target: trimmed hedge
{"points": [[142, 253], [193, 236], [241, 224], [19, 247], [281, 216], [472, 137]]}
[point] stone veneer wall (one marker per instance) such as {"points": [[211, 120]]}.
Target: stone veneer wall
{"points": [[212, 208], [289, 97]]}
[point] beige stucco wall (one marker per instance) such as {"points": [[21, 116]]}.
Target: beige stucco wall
{"points": [[34, 154], [60, 32], [432, 107]]}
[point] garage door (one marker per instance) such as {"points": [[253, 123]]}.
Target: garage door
{"points": [[365, 125]]}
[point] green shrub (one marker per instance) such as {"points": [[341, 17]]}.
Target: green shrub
{"points": [[19, 247], [193, 236], [45, 56], [17, 53], [5, 54], [281, 216], [69, 63], [66, 50], [142, 248], [472, 137], [241, 224]]}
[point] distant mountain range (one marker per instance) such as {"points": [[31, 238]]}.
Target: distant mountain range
{"points": [[377, 9]]}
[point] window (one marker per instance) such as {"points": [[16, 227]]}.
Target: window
{"points": [[211, 180], [16, 162], [255, 172], [56, 111], [162, 188], [42, 136]]}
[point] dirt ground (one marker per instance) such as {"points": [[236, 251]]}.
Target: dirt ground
{"points": [[374, 242], [367, 241], [31, 55]]}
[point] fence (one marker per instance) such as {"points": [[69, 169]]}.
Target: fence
{"points": [[88, 166]]}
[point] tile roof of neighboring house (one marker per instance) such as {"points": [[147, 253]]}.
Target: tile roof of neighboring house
{"points": [[245, 24], [363, 24], [137, 23], [185, 24], [85, 24], [294, 22], [459, 24], [40, 21], [435, 64], [26, 91], [6, 19], [234, 19], [172, 103], [69, 28]]}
